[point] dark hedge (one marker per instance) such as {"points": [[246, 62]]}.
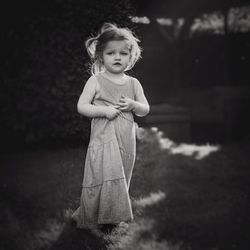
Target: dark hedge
{"points": [[44, 66]]}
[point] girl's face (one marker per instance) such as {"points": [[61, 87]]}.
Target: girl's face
{"points": [[116, 56]]}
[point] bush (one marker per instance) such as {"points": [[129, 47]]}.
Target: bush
{"points": [[45, 66]]}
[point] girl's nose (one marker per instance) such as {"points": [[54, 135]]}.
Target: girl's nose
{"points": [[117, 56]]}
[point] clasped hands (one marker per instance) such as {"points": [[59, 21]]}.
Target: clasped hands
{"points": [[124, 104]]}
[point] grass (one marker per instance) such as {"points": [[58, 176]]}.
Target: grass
{"points": [[207, 199], [184, 197]]}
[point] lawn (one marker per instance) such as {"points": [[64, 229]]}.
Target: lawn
{"points": [[184, 196]]}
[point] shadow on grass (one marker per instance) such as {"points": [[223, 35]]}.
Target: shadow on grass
{"points": [[184, 197], [73, 238], [207, 206], [207, 199]]}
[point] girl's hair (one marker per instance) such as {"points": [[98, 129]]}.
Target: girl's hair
{"points": [[110, 32]]}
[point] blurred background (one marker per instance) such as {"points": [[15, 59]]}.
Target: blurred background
{"points": [[190, 186], [194, 67]]}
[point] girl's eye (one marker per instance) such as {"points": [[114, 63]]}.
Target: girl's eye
{"points": [[110, 53], [124, 53]]}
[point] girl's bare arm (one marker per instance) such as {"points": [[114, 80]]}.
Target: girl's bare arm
{"points": [[85, 106], [139, 106]]}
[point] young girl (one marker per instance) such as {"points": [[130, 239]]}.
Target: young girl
{"points": [[111, 98]]}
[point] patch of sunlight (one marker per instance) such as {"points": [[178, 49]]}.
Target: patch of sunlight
{"points": [[45, 237], [164, 21], [155, 245], [150, 200], [154, 129], [239, 19], [169, 21], [166, 143], [197, 151], [209, 22], [137, 19], [131, 238]]}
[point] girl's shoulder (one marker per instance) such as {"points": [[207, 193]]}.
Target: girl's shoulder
{"points": [[93, 79], [97, 77], [92, 83], [137, 86], [134, 79], [135, 82]]}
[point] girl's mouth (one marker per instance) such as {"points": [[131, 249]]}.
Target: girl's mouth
{"points": [[117, 64]]}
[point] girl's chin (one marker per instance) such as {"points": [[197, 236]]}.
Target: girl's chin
{"points": [[117, 71]]}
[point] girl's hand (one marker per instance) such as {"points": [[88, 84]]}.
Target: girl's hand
{"points": [[111, 112], [126, 104]]}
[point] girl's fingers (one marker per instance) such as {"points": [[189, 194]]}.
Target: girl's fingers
{"points": [[118, 113], [123, 108], [122, 104], [124, 97], [122, 100]]}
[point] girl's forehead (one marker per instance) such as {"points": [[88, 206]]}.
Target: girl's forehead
{"points": [[123, 44]]}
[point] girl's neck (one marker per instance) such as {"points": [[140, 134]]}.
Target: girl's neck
{"points": [[118, 76], [119, 79]]}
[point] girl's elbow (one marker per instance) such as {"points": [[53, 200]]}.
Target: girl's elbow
{"points": [[146, 111], [80, 108]]}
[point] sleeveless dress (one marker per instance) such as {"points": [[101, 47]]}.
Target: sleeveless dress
{"points": [[109, 161]]}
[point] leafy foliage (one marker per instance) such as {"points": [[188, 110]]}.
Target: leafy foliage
{"points": [[45, 65]]}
